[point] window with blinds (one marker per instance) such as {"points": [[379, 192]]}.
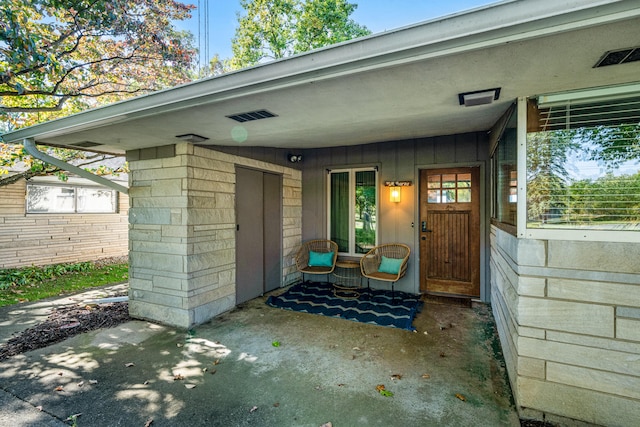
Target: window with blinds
{"points": [[583, 164]]}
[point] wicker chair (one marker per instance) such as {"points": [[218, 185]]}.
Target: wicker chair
{"points": [[370, 263], [322, 246]]}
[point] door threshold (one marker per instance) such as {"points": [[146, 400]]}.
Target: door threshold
{"points": [[451, 299]]}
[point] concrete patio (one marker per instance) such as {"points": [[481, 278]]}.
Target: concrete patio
{"points": [[228, 372]]}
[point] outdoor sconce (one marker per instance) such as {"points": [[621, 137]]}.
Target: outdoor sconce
{"points": [[395, 189], [295, 158], [394, 194]]}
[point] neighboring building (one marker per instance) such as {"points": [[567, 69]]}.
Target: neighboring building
{"points": [[46, 221], [515, 127]]}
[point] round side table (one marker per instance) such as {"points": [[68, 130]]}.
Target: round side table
{"points": [[347, 275]]}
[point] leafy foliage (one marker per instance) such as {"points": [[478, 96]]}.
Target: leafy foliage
{"points": [[34, 283], [274, 29], [56, 52], [24, 276]]}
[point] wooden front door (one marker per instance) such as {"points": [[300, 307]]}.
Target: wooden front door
{"points": [[450, 231]]}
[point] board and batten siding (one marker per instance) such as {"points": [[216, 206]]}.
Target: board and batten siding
{"points": [[396, 161], [44, 239]]}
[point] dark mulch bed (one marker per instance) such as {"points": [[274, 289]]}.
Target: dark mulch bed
{"points": [[63, 323]]}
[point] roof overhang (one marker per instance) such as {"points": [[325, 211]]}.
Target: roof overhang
{"points": [[396, 85]]}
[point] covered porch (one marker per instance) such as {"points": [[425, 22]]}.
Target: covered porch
{"points": [[409, 105]]}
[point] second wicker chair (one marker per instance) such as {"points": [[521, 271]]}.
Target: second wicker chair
{"points": [[387, 263]]}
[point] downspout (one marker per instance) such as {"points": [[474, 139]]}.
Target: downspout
{"points": [[30, 147]]}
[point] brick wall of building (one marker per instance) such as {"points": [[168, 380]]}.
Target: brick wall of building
{"points": [[43, 239]]}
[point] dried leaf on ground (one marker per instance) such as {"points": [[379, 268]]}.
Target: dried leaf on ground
{"points": [[396, 376], [461, 397], [327, 425], [380, 387], [81, 383], [216, 362], [254, 409], [149, 422], [59, 388], [426, 376], [190, 386], [93, 382], [178, 377], [39, 408], [275, 405], [129, 365]]}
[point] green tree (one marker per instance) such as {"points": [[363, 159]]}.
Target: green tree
{"points": [[61, 57], [274, 29], [55, 52]]}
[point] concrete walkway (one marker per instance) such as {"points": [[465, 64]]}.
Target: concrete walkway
{"points": [[229, 373]]}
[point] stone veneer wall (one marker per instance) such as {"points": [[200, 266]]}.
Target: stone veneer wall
{"points": [[42, 239], [182, 231], [568, 315]]}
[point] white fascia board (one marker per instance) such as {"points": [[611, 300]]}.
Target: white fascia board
{"points": [[479, 28]]}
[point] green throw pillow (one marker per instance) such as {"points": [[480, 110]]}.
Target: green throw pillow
{"points": [[320, 259], [390, 265]]}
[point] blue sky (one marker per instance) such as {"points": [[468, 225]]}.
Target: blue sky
{"points": [[377, 15]]}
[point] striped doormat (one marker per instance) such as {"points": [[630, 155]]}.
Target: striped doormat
{"points": [[371, 306]]}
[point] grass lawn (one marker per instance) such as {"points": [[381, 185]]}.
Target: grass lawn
{"points": [[35, 283]]}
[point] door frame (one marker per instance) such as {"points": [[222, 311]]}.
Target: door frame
{"points": [[485, 283]]}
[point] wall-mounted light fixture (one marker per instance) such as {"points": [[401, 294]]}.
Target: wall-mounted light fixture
{"points": [[294, 158], [394, 194], [192, 137], [395, 189]]}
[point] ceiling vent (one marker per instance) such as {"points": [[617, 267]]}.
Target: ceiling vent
{"points": [[85, 144], [479, 97], [252, 115], [622, 56]]}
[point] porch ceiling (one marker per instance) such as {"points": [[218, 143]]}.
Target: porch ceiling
{"points": [[398, 85]]}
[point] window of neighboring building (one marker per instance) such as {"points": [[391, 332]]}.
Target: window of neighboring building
{"points": [[353, 209], [42, 198], [504, 172], [583, 163]]}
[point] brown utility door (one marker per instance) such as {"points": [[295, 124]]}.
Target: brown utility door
{"points": [[450, 231]]}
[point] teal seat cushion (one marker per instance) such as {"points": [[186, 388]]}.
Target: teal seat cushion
{"points": [[320, 259], [390, 265]]}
